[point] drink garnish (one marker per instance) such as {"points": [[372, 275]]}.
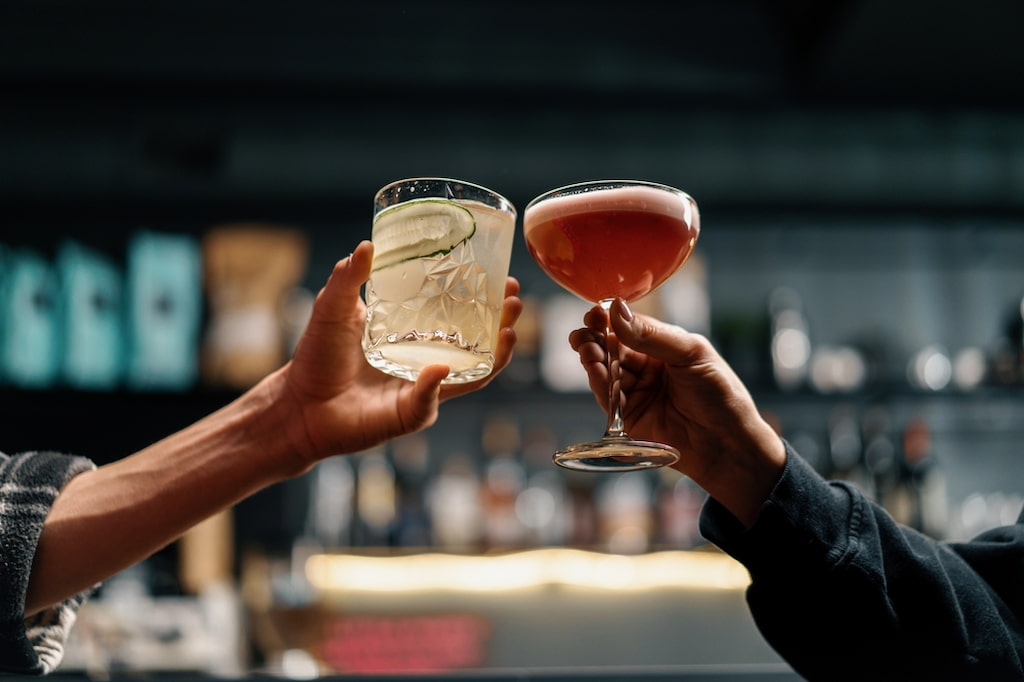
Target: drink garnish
{"points": [[419, 229]]}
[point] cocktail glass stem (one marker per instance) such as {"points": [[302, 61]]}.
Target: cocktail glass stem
{"points": [[615, 428]]}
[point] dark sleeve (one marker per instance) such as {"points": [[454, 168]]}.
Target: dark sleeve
{"points": [[842, 592], [29, 483]]}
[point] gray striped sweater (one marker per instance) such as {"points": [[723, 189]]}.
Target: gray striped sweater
{"points": [[29, 483]]}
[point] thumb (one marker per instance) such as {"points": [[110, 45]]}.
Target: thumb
{"points": [[669, 343], [422, 402]]}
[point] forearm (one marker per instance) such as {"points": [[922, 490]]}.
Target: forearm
{"points": [[106, 520], [834, 578]]}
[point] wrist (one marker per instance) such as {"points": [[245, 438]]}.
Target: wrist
{"points": [[749, 468], [274, 426]]}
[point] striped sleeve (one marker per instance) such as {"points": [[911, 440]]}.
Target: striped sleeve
{"points": [[29, 483]]}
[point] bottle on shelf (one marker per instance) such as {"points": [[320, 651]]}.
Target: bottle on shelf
{"points": [[846, 448], [503, 481], [678, 504], [880, 453], [543, 508], [923, 481], [546, 505], [625, 512], [791, 341], [453, 499], [1008, 356], [375, 498], [410, 457]]}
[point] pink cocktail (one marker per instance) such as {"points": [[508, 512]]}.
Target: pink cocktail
{"points": [[610, 239]]}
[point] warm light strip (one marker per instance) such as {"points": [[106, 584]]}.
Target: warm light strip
{"points": [[532, 568]]}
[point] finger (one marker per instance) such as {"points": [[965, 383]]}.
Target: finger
{"points": [[342, 288], [592, 356], [502, 356], [420, 409], [362, 261], [596, 319], [503, 353], [431, 376], [512, 306], [671, 344], [582, 337], [511, 310]]}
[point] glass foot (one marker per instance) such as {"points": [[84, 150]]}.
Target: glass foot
{"points": [[616, 454]]}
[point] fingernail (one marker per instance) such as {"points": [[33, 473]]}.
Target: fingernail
{"points": [[627, 314]]}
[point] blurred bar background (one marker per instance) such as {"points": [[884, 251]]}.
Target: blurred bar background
{"points": [[178, 178]]}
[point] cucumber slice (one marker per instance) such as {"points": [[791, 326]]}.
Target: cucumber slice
{"points": [[419, 228]]}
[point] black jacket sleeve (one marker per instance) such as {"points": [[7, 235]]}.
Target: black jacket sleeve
{"points": [[843, 592], [29, 483]]}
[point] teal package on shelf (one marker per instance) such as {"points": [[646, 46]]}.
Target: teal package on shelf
{"points": [[30, 345], [165, 290], [92, 293]]}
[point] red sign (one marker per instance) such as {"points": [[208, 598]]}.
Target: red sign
{"points": [[382, 643]]}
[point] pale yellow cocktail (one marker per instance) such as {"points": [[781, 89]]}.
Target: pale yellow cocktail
{"points": [[442, 252]]}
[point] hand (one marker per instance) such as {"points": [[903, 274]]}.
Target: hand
{"points": [[344, 404], [327, 400], [677, 389]]}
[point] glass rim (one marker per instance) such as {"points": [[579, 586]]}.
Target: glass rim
{"points": [[592, 185], [505, 204]]}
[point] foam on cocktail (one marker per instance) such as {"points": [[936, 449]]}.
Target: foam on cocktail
{"points": [[608, 242]]}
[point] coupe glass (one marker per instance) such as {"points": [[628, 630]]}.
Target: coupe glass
{"points": [[608, 239]]}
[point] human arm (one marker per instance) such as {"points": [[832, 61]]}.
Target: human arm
{"points": [[843, 592], [325, 401], [838, 588]]}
